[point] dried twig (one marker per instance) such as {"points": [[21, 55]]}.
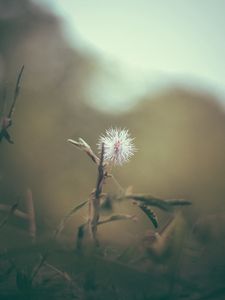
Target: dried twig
{"points": [[4, 96], [67, 217], [94, 203], [11, 211], [143, 201], [118, 217], [56, 233], [80, 235], [65, 275], [31, 214], [16, 93], [16, 212], [5, 275], [212, 294], [82, 145], [28, 216], [149, 200], [37, 268], [6, 121]]}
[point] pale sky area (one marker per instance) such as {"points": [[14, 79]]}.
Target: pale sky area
{"points": [[152, 43]]}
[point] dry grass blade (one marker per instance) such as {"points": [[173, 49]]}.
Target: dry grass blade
{"points": [[16, 212], [94, 202], [65, 275], [178, 202], [101, 175], [58, 230], [214, 294], [4, 96], [31, 215], [11, 212], [37, 268], [149, 200], [82, 145], [118, 217], [5, 275], [67, 217], [16, 93]]}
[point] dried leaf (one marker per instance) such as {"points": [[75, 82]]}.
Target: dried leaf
{"points": [[150, 214], [82, 145], [107, 203], [80, 236], [23, 281], [63, 274], [16, 93], [68, 216], [129, 190], [178, 202], [11, 211], [113, 218], [77, 144], [149, 200]]}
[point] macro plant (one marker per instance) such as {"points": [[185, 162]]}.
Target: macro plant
{"points": [[115, 147], [6, 119], [118, 146]]}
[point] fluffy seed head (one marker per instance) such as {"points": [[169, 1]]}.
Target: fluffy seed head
{"points": [[118, 145]]}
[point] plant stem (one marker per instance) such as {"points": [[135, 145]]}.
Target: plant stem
{"points": [[94, 204]]}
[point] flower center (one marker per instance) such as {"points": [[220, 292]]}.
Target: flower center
{"points": [[117, 146]]}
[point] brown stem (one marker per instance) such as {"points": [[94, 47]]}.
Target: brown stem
{"points": [[38, 266], [94, 203], [82, 145], [31, 214], [149, 200], [16, 212], [56, 270], [11, 211], [16, 93]]}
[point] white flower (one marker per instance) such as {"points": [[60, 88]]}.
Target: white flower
{"points": [[118, 145]]}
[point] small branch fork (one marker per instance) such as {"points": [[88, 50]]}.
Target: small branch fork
{"points": [[82, 145], [29, 216]]}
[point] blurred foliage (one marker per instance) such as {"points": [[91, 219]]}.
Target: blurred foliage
{"points": [[180, 137]]}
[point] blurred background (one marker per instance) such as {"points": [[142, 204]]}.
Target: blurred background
{"points": [[154, 67]]}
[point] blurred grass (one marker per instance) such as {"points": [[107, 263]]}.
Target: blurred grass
{"points": [[180, 136]]}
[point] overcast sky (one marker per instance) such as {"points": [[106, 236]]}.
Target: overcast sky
{"points": [[181, 40]]}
